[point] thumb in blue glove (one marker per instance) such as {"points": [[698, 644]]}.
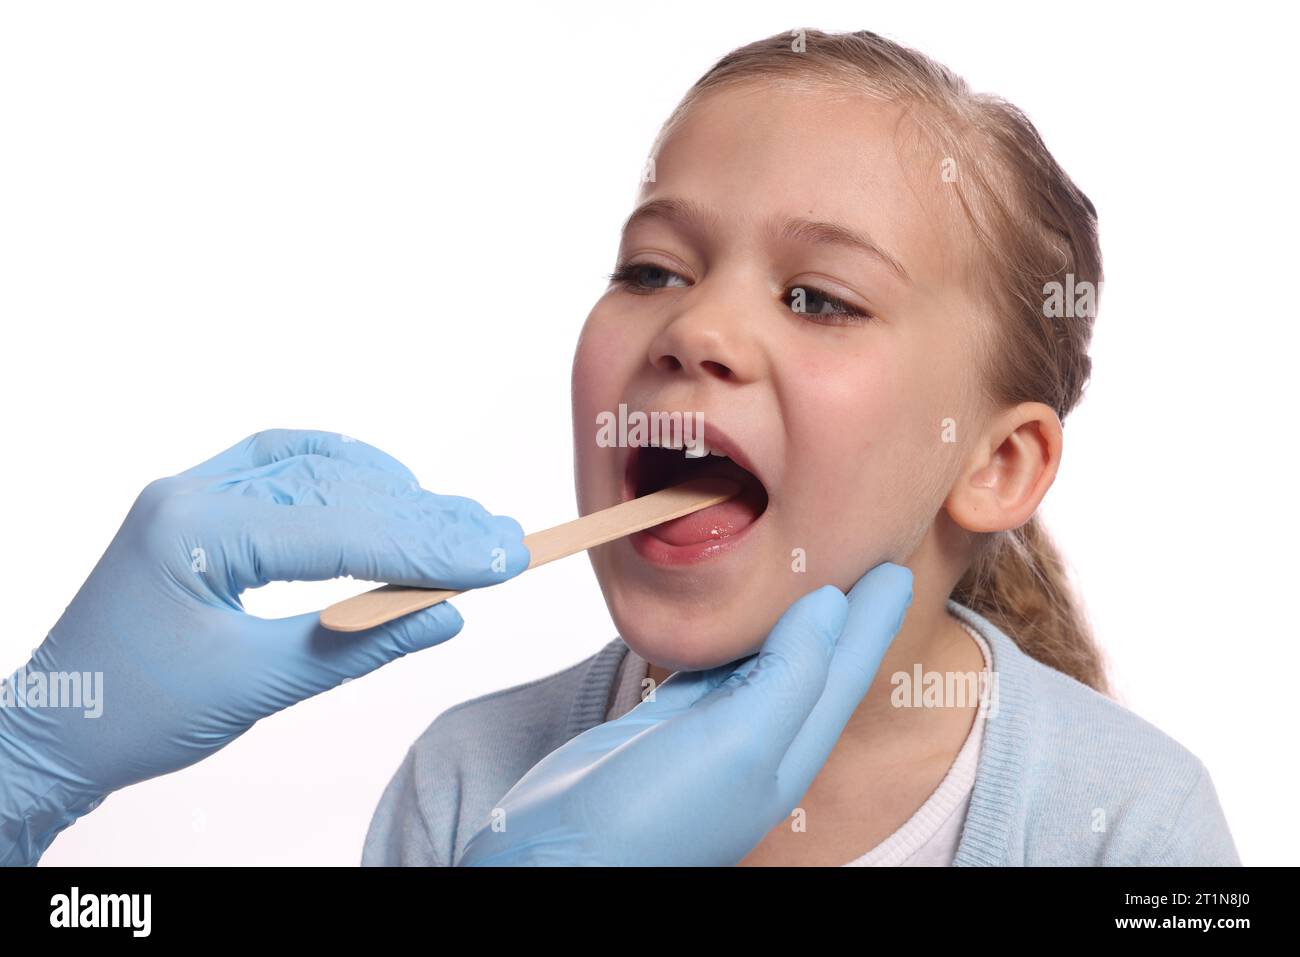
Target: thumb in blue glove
{"points": [[701, 773], [184, 669]]}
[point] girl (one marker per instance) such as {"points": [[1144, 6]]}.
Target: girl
{"points": [[878, 289]]}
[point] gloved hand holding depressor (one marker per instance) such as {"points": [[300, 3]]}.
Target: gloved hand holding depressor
{"points": [[185, 669], [702, 772]]}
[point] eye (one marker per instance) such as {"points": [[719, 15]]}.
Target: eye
{"points": [[643, 277], [819, 307], [823, 308]]}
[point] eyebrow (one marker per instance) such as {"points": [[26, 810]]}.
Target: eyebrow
{"points": [[688, 213]]}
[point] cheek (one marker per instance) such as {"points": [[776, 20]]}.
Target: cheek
{"points": [[597, 361], [865, 425], [603, 363], [844, 413]]}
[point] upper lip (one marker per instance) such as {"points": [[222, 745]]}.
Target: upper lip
{"points": [[716, 439]]}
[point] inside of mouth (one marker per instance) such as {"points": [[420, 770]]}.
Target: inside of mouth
{"points": [[654, 468]]}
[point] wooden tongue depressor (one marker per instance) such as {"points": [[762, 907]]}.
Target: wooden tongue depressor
{"points": [[384, 604]]}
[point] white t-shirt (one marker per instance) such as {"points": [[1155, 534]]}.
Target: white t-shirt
{"points": [[929, 837]]}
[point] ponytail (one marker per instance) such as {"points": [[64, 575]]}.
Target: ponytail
{"points": [[1019, 583]]}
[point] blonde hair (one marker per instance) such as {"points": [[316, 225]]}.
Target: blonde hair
{"points": [[1034, 227]]}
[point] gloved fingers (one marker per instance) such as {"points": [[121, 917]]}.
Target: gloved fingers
{"points": [[769, 697], [296, 658], [876, 606], [273, 445], [296, 481], [320, 480], [246, 542], [680, 692]]}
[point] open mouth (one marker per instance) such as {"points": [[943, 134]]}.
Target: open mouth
{"points": [[651, 468]]}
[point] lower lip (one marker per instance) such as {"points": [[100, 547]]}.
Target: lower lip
{"points": [[658, 552]]}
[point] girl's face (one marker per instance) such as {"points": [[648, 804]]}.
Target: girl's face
{"points": [[793, 274]]}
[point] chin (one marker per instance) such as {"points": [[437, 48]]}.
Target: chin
{"points": [[682, 652], [678, 639]]}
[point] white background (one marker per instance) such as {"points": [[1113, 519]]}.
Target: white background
{"points": [[390, 220]]}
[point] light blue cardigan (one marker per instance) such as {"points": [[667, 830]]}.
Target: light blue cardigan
{"points": [[1066, 776]]}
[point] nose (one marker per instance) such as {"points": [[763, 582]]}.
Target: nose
{"points": [[707, 339]]}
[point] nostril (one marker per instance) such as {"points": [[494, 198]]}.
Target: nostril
{"points": [[717, 368]]}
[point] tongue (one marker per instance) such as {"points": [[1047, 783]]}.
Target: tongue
{"points": [[714, 522]]}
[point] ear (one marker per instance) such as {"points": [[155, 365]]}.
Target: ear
{"points": [[1012, 466]]}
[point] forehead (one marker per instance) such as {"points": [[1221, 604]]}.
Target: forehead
{"points": [[760, 151]]}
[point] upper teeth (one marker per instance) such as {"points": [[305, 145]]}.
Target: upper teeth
{"points": [[696, 451], [700, 451]]}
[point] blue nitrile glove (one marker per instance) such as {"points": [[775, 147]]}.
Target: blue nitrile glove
{"points": [[184, 669], [700, 774]]}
